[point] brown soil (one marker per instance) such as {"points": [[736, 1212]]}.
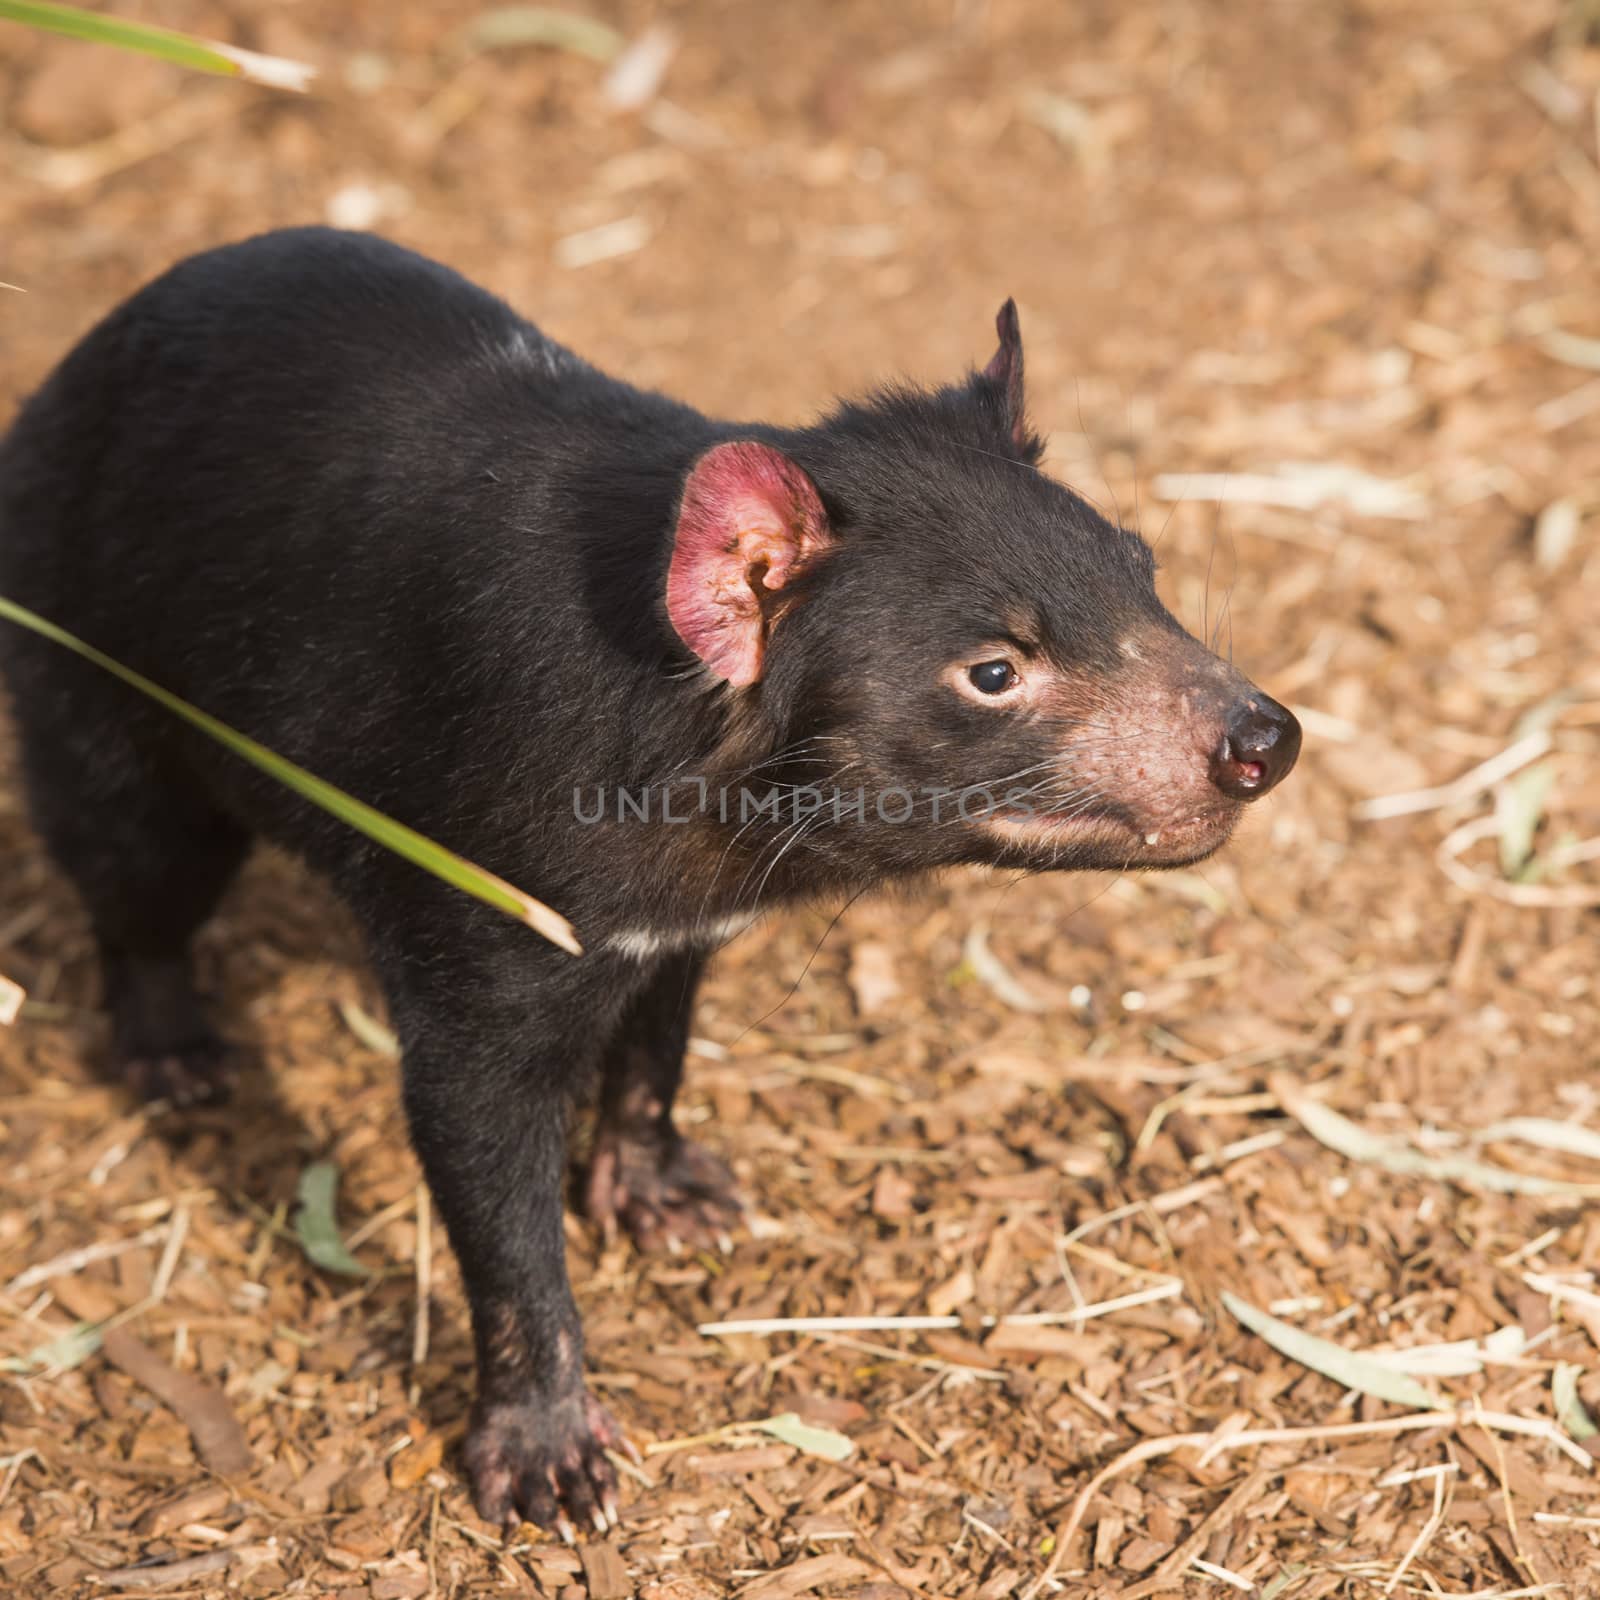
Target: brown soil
{"points": [[1349, 233]]}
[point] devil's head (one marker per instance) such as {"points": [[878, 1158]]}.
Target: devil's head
{"points": [[917, 610]]}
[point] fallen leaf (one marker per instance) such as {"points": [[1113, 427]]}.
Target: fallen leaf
{"points": [[1518, 809], [315, 1225], [807, 1437], [506, 27], [1570, 1412], [62, 1354], [1353, 1141], [1353, 1370], [1457, 1359]]}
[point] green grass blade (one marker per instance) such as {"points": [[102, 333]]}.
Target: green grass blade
{"points": [[404, 841], [198, 54]]}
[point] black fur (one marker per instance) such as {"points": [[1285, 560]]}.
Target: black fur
{"points": [[355, 506]]}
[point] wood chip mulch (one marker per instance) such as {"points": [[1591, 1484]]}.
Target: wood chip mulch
{"points": [[1243, 239]]}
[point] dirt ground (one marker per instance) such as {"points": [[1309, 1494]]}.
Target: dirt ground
{"points": [[1342, 254]]}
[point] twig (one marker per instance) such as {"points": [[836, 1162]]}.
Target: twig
{"points": [[968, 1517], [1213, 1522], [1199, 1105], [176, 122], [379, 1219], [433, 1543], [419, 1332], [629, 1470], [1510, 1508], [1568, 408], [177, 1232], [1479, 780], [14, 1465], [1212, 1570], [1212, 1445], [1548, 1283], [1160, 1204], [927, 1363], [1028, 1319], [1425, 1533], [1297, 486], [861, 1083], [171, 1573], [1459, 840], [75, 1260]]}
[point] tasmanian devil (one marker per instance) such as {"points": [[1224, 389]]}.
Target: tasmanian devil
{"points": [[656, 669]]}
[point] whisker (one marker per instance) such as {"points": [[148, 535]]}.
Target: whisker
{"points": [[1099, 465], [794, 988]]}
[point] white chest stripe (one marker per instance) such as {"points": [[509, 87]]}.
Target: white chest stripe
{"points": [[644, 944]]}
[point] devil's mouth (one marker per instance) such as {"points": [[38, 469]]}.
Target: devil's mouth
{"points": [[1117, 832]]}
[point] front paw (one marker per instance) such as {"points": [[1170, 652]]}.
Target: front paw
{"points": [[544, 1462], [663, 1192], [193, 1074]]}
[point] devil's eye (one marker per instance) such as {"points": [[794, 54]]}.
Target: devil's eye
{"points": [[992, 677]]}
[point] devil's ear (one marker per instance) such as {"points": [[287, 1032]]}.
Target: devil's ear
{"points": [[749, 523], [1004, 372]]}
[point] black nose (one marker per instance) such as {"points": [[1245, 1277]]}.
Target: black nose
{"points": [[1260, 740]]}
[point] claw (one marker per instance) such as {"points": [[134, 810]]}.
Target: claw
{"points": [[544, 1462]]}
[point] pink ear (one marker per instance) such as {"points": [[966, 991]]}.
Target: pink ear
{"points": [[750, 521]]}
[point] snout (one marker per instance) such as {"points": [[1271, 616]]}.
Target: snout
{"points": [[1260, 741]]}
